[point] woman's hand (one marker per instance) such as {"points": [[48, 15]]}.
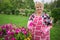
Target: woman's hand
{"points": [[50, 27], [46, 29]]}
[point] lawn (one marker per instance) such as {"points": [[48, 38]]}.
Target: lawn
{"points": [[55, 32], [15, 19], [22, 21]]}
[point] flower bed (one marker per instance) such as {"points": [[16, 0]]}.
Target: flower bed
{"points": [[12, 32]]}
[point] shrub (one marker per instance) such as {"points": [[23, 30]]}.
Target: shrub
{"points": [[46, 10], [17, 12], [56, 14], [28, 12]]}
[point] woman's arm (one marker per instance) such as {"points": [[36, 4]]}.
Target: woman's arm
{"points": [[30, 22], [48, 22], [50, 26]]}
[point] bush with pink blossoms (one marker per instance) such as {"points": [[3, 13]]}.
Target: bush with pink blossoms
{"points": [[12, 32]]}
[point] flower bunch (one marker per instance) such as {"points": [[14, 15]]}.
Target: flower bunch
{"points": [[12, 32]]}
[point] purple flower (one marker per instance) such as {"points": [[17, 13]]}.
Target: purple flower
{"points": [[3, 27], [1, 33], [18, 30], [6, 37], [23, 29], [13, 38], [24, 32], [12, 33], [9, 26], [9, 32]]}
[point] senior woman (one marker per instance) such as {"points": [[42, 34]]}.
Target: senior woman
{"points": [[39, 23]]}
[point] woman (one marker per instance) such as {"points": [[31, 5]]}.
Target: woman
{"points": [[39, 23]]}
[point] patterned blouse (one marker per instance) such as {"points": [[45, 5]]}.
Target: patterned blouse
{"points": [[39, 26]]}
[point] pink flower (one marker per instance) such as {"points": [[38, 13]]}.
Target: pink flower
{"points": [[9, 32], [24, 32], [23, 29], [12, 33], [17, 31], [13, 38], [9, 26], [3, 27], [6, 37], [1, 33]]}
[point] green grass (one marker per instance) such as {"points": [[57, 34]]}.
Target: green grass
{"points": [[15, 19], [55, 32], [22, 21]]}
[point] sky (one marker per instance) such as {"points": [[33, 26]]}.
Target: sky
{"points": [[48, 1], [45, 1]]}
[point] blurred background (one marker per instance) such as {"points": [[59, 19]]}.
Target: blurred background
{"points": [[18, 12]]}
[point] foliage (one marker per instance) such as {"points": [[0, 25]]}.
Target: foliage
{"points": [[10, 6], [28, 12], [56, 14]]}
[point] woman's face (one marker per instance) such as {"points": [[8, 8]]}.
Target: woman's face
{"points": [[39, 7]]}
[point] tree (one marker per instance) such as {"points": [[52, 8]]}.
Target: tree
{"points": [[55, 4], [56, 14], [58, 4]]}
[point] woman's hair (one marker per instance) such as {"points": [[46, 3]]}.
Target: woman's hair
{"points": [[39, 3]]}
